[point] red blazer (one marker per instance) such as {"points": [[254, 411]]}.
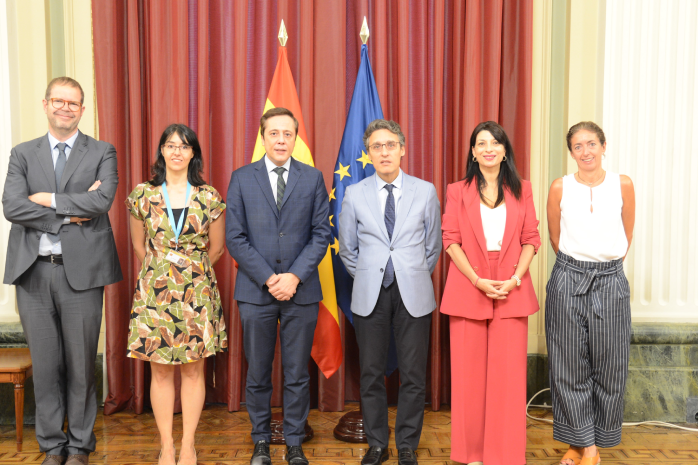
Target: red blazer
{"points": [[462, 224]]}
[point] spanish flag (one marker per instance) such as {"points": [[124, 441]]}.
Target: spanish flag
{"points": [[327, 344]]}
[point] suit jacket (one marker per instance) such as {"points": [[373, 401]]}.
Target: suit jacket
{"points": [[89, 252], [462, 224], [265, 240], [364, 245]]}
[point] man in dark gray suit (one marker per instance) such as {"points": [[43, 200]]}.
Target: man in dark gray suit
{"points": [[278, 230], [61, 253]]}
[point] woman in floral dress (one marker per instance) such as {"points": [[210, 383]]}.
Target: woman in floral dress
{"points": [[178, 234]]}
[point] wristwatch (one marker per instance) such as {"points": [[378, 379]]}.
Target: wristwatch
{"points": [[518, 281]]}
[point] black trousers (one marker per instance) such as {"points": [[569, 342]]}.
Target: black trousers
{"points": [[62, 328], [412, 343]]}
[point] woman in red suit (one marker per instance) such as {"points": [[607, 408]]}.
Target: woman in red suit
{"points": [[490, 231]]}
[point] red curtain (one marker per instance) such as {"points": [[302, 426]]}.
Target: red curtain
{"points": [[441, 67]]}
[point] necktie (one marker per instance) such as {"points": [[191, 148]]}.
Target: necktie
{"points": [[280, 186], [389, 275], [60, 166]]}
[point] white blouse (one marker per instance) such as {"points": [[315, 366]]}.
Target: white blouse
{"points": [[493, 222], [593, 236]]}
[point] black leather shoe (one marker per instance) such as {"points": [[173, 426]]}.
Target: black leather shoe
{"points": [[375, 456], [295, 455], [261, 455], [405, 456]]}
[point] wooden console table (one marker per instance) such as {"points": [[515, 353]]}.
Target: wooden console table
{"points": [[15, 368]]}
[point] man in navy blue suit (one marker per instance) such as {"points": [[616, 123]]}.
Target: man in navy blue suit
{"points": [[278, 230]]}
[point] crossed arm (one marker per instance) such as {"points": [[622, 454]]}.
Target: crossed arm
{"points": [[34, 211]]}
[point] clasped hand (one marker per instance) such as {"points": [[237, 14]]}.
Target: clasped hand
{"points": [[44, 199], [496, 290], [283, 286]]}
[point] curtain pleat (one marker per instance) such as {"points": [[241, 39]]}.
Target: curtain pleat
{"points": [[441, 67]]}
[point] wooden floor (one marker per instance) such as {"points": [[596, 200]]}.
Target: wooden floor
{"points": [[224, 438]]}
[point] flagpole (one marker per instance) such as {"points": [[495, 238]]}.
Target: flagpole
{"points": [[350, 427], [277, 418]]}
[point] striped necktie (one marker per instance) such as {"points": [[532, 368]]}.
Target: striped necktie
{"points": [[280, 186]]}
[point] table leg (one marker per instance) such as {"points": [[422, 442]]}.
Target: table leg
{"points": [[19, 413]]}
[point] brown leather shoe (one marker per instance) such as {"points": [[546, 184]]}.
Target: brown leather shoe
{"points": [[77, 459], [53, 460]]}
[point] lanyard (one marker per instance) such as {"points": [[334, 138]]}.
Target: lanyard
{"points": [[180, 223]]}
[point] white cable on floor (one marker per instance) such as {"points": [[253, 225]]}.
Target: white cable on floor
{"points": [[650, 422]]}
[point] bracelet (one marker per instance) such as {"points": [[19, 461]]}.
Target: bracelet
{"points": [[518, 281], [478, 279]]}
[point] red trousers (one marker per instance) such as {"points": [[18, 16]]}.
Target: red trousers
{"points": [[488, 390]]}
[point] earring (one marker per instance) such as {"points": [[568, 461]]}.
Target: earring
{"points": [[505, 158], [474, 159]]}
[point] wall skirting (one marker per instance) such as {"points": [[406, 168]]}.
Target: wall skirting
{"points": [[663, 372]]}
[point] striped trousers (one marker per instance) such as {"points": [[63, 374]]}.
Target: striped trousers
{"points": [[587, 328]]}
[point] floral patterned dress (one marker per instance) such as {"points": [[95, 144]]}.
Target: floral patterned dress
{"points": [[176, 315]]}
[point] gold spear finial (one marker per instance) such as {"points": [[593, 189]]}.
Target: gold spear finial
{"points": [[283, 36], [364, 32]]}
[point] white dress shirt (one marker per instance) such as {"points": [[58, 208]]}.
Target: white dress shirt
{"points": [[46, 247], [273, 177], [383, 193]]}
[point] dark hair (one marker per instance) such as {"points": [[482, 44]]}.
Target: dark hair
{"points": [[196, 164], [508, 175], [587, 126], [64, 81], [378, 124], [277, 111]]}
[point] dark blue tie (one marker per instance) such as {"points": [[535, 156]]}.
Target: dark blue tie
{"points": [[389, 275], [60, 166]]}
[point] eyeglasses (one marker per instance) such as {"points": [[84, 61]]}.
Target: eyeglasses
{"points": [[184, 148], [59, 103], [392, 145]]}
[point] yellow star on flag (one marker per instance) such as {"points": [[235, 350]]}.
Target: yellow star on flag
{"points": [[332, 194], [364, 159], [331, 216], [335, 246], [343, 171]]}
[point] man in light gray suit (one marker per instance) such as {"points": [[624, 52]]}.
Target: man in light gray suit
{"points": [[61, 253], [390, 241]]}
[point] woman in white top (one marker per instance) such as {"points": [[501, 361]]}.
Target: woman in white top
{"points": [[591, 215]]}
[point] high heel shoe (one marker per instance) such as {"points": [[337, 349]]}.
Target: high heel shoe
{"points": [[174, 454], [179, 462], [591, 460]]}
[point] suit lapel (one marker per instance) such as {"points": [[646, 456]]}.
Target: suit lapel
{"points": [[294, 173], [77, 153], [512, 219], [408, 189], [373, 202], [43, 153], [471, 199], [263, 180]]}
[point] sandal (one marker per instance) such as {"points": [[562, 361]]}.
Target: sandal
{"points": [[179, 462], [174, 454], [591, 460], [572, 456]]}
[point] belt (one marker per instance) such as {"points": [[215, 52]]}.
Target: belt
{"points": [[590, 274], [55, 259]]}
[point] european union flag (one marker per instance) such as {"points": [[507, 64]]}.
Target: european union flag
{"points": [[352, 166]]}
